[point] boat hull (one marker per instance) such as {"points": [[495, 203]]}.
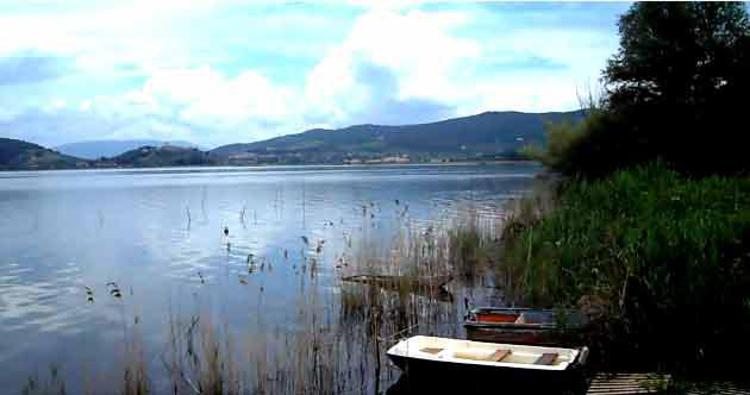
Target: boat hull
{"points": [[498, 326], [515, 336], [422, 375], [469, 366]]}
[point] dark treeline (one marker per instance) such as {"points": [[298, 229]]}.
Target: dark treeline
{"points": [[676, 91]]}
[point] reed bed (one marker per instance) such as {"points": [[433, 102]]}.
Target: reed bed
{"points": [[347, 331], [335, 339]]}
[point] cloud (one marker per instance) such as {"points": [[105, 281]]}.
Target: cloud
{"points": [[380, 87], [390, 58], [405, 65], [207, 98], [28, 67], [66, 124], [218, 71]]}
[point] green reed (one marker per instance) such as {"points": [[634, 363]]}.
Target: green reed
{"points": [[662, 257]]}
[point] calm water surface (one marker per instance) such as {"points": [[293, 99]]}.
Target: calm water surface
{"points": [[158, 234]]}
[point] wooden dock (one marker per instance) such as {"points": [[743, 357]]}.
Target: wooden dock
{"points": [[651, 383], [718, 388], [628, 383]]}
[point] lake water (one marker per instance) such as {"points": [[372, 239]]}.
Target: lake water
{"points": [[158, 237]]}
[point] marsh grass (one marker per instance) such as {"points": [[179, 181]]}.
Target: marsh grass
{"points": [[664, 259], [200, 358], [473, 241], [52, 385], [135, 371], [336, 335]]}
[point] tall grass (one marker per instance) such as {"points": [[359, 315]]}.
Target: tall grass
{"points": [[664, 257], [54, 385]]}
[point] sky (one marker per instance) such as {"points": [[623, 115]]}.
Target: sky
{"points": [[223, 71]]}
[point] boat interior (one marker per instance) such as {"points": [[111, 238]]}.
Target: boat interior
{"points": [[466, 351]]}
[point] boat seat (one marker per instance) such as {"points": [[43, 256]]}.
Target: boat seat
{"points": [[431, 350], [547, 358], [495, 356], [499, 355]]}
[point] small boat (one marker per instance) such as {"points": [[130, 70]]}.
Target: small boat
{"points": [[474, 365], [395, 282], [524, 326]]}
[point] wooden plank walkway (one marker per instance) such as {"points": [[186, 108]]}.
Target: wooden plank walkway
{"points": [[719, 388], [651, 383], [627, 383]]}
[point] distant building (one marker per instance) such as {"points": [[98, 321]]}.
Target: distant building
{"points": [[384, 159], [396, 159], [243, 158]]}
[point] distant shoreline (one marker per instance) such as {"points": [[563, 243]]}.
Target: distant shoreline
{"points": [[288, 166]]}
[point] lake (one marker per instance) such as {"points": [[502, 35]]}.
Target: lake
{"points": [[103, 270]]}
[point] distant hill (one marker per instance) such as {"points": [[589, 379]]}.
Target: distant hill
{"points": [[21, 155], [97, 149], [162, 156], [489, 133]]}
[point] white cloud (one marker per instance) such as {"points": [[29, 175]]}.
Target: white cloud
{"points": [[207, 100], [414, 46], [428, 60], [207, 94]]}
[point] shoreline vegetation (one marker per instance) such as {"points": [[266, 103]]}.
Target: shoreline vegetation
{"points": [[445, 162], [660, 258]]}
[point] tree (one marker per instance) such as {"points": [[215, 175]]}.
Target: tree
{"points": [[679, 53], [675, 91]]}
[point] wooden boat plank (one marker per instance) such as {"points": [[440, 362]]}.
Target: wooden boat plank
{"points": [[499, 355], [547, 358]]}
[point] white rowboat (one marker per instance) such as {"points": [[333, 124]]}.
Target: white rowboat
{"points": [[478, 364]]}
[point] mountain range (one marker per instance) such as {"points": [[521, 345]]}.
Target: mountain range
{"points": [[490, 135]]}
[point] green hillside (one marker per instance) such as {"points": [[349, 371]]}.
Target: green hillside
{"points": [[21, 155], [164, 156], [487, 133]]}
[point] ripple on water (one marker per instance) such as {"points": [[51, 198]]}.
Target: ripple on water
{"points": [[29, 304]]}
